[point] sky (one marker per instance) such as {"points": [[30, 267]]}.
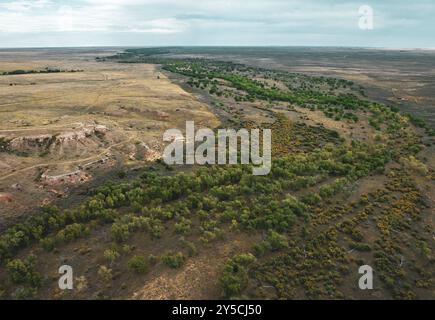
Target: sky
{"points": [[68, 23]]}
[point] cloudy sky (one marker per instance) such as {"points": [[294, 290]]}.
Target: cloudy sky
{"points": [[55, 23]]}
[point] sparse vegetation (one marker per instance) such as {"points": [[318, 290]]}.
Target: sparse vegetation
{"points": [[342, 192]]}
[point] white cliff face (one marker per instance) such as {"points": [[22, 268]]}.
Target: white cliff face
{"points": [[53, 142], [30, 143]]}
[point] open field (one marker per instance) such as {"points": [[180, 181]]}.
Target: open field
{"points": [[57, 128], [352, 179]]}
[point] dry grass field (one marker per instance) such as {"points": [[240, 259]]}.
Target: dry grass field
{"points": [[60, 128]]}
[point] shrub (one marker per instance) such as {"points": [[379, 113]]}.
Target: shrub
{"points": [[122, 174], [138, 264], [190, 247], [234, 278], [120, 232], [415, 165], [276, 241], [22, 272], [259, 249], [127, 248], [105, 273], [311, 199], [183, 227], [68, 234], [174, 260], [111, 255]]}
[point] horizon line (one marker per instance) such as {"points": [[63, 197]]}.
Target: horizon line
{"points": [[221, 46]]}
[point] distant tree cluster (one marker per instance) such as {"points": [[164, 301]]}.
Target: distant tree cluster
{"points": [[46, 70]]}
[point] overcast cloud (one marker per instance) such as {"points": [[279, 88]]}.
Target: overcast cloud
{"points": [[397, 23]]}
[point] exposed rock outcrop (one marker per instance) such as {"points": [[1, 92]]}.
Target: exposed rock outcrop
{"points": [[73, 177], [64, 141], [35, 143]]}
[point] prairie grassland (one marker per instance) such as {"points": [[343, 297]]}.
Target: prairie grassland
{"points": [[133, 105]]}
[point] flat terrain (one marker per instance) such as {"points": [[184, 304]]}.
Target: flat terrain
{"points": [[404, 77], [352, 180]]}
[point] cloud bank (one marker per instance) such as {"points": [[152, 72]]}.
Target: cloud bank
{"points": [[398, 23]]}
